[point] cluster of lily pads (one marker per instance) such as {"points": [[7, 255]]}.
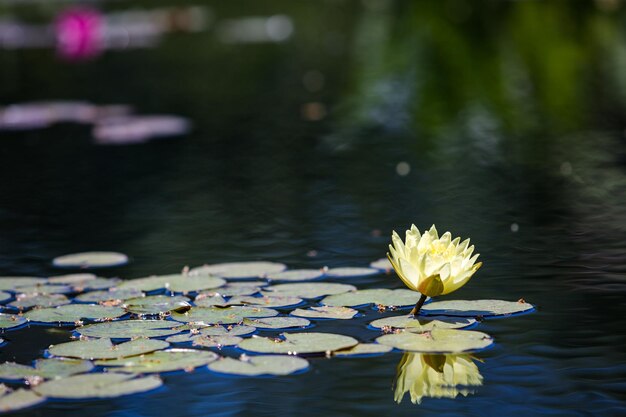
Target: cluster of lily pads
{"points": [[246, 318]]}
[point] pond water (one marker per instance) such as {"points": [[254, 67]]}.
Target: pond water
{"points": [[502, 122]]}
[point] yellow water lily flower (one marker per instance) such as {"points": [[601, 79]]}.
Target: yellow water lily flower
{"points": [[436, 376], [431, 264]]}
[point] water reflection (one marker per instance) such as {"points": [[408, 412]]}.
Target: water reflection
{"points": [[436, 376]]}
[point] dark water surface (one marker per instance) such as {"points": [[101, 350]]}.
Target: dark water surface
{"points": [[509, 115]]}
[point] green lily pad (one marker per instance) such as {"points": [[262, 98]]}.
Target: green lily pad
{"points": [[260, 365], [25, 302], [267, 301], [107, 385], [475, 308], [307, 289], [110, 295], [351, 272], [44, 289], [157, 304], [296, 275], [44, 368], [105, 349], [421, 323], [382, 264], [378, 296], [207, 300], [175, 283], [214, 331], [5, 296], [162, 361], [97, 284], [129, 329], [299, 343], [72, 279], [9, 321], [19, 399], [437, 341], [325, 312], [273, 323], [364, 349], [219, 315], [231, 289], [216, 341], [11, 283], [72, 313], [90, 260], [242, 270]]}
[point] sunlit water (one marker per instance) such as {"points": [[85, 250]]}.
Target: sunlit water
{"points": [[538, 185]]}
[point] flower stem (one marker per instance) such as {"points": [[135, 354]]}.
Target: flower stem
{"points": [[418, 306]]}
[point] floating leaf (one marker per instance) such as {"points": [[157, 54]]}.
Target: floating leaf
{"points": [[218, 315], [421, 323], [25, 301], [437, 341], [97, 284], [9, 321], [297, 275], [105, 349], [111, 295], [475, 308], [216, 341], [90, 260], [206, 300], [351, 272], [234, 270], [308, 289], [213, 331], [175, 283], [325, 312], [267, 301], [44, 289], [129, 329], [72, 313], [382, 264], [107, 385], [44, 368], [5, 296], [299, 343], [72, 279], [379, 296], [11, 283], [157, 304], [162, 361], [260, 365], [364, 349], [232, 289], [274, 323], [19, 399]]}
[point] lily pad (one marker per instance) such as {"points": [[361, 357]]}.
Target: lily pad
{"points": [[107, 385], [111, 295], [44, 368], [299, 343], [207, 300], [351, 272], [260, 365], [364, 349], [11, 283], [297, 275], [437, 341], [475, 308], [213, 331], [25, 301], [19, 399], [241, 270], [219, 315], [231, 289], [379, 296], [216, 341], [382, 264], [44, 289], [5, 296], [157, 304], [72, 279], [9, 321], [97, 284], [162, 361], [175, 283], [90, 260], [105, 349], [267, 301], [422, 324], [325, 312], [274, 323], [308, 289], [72, 313], [129, 329]]}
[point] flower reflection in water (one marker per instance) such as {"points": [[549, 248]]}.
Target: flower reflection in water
{"points": [[436, 376]]}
